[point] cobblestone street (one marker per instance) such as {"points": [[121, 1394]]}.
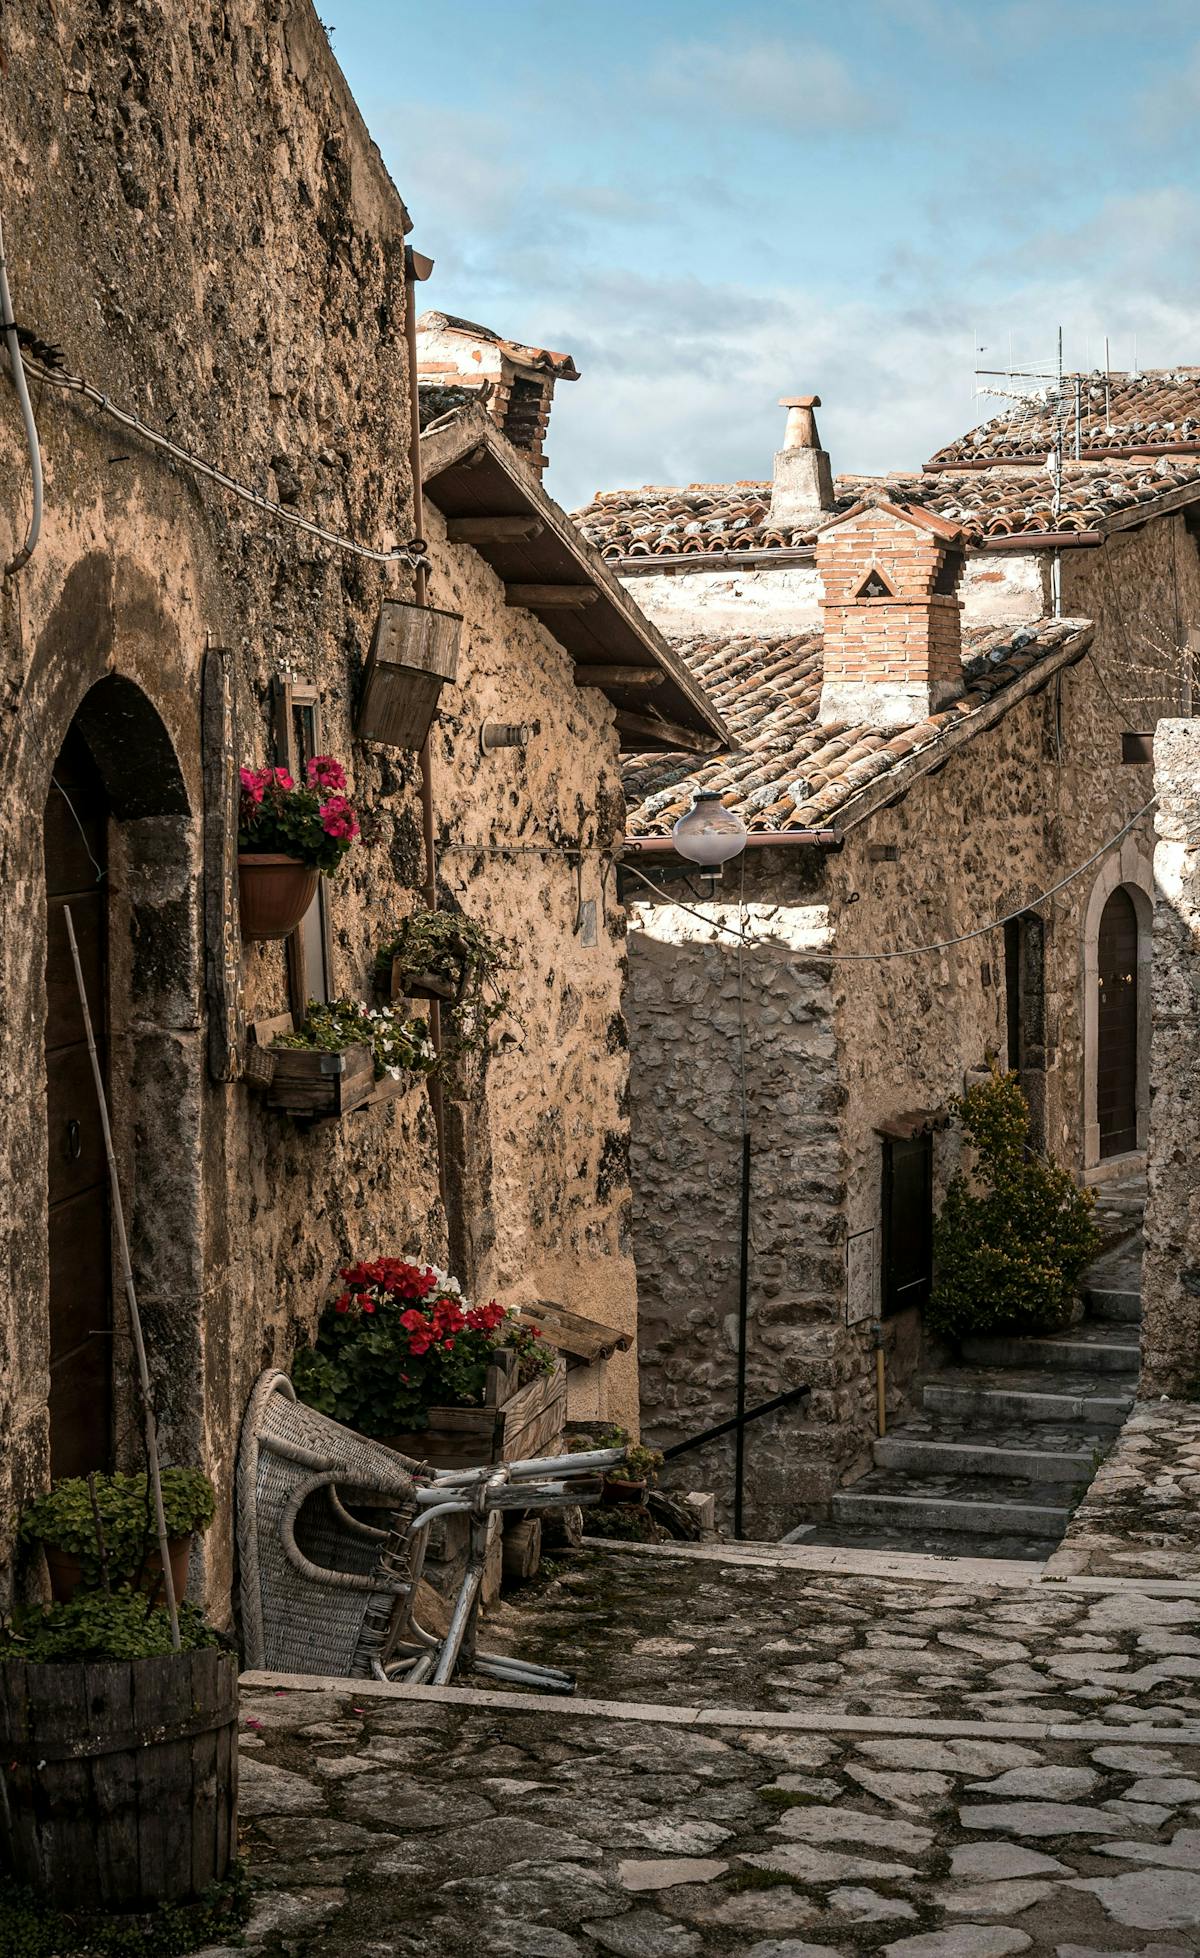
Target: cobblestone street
{"points": [[775, 1756]]}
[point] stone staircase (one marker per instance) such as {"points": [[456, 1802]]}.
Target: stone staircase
{"points": [[996, 1451]]}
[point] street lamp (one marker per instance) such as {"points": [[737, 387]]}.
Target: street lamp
{"points": [[710, 833]]}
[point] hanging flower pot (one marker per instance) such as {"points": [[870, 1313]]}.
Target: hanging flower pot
{"points": [[274, 892], [289, 834]]}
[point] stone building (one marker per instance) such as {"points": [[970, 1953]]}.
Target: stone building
{"points": [[1171, 1261], [196, 216], [929, 677]]}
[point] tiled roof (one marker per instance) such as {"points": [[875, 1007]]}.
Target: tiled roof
{"points": [[1130, 413], [732, 517], [788, 772]]}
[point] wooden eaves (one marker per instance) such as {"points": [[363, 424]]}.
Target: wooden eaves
{"points": [[492, 500]]}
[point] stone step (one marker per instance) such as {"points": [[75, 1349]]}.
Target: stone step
{"points": [[982, 1457], [939, 1543], [1083, 1348], [1000, 1395], [1113, 1307], [1000, 1506]]}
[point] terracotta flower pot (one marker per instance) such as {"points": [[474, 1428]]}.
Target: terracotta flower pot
{"points": [[66, 1571], [274, 892], [617, 1489]]}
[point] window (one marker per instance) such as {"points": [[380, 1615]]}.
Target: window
{"points": [[298, 737]]}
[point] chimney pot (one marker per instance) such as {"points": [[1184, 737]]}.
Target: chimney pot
{"points": [[802, 483]]}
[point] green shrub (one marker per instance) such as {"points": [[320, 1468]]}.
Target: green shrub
{"points": [[63, 1519], [31, 1928], [1010, 1244], [97, 1626]]}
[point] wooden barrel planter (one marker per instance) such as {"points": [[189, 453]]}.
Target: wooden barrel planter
{"points": [[119, 1779]]}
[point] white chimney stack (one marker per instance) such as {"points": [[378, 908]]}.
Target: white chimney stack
{"points": [[802, 485]]}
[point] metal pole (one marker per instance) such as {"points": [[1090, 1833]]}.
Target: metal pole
{"points": [[135, 1317], [739, 1463]]}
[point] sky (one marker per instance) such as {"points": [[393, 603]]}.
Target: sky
{"points": [[710, 206]]}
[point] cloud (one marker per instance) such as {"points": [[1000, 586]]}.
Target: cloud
{"points": [[1170, 100], [796, 87]]}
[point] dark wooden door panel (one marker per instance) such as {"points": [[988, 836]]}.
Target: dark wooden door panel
{"points": [[79, 1249], [1116, 1044], [80, 1410], [64, 1018], [80, 1274], [76, 1140], [907, 1221]]}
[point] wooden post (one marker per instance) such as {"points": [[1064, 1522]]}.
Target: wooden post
{"points": [[135, 1317]]}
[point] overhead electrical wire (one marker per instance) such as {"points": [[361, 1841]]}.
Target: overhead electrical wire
{"points": [[911, 951], [412, 555], [8, 326]]}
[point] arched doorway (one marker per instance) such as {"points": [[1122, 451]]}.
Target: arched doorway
{"points": [[1117, 943], [1117, 1026], [115, 794], [75, 838]]}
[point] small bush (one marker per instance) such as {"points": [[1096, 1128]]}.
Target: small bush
{"points": [[31, 1928], [63, 1518], [1010, 1244], [97, 1626]]}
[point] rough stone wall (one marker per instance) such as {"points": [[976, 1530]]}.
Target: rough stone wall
{"points": [[687, 1154], [542, 1144], [1171, 1265], [196, 214]]}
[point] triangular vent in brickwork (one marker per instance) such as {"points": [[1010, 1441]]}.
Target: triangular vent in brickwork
{"points": [[875, 585]]}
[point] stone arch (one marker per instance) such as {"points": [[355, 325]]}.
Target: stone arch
{"points": [[1130, 869]]}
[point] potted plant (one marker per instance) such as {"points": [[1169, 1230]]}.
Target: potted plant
{"points": [[638, 1472], [103, 1529], [289, 835], [331, 1063], [400, 1354], [106, 1731], [447, 956]]}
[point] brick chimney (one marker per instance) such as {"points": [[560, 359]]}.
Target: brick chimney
{"points": [[517, 381], [892, 616], [802, 485]]}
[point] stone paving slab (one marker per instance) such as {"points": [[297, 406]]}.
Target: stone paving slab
{"points": [[1141, 1515], [389, 1825], [774, 1637]]}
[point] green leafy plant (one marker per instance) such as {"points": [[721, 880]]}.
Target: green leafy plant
{"points": [[97, 1625], [399, 1046], [400, 1338], [450, 948], [313, 821], [31, 1928], [641, 1464], [1009, 1244], [64, 1520]]}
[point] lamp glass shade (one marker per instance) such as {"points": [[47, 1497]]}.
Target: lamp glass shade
{"points": [[710, 833]]}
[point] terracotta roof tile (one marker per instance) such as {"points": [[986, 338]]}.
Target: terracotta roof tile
{"points": [[1124, 412], [732, 517], [788, 772]]}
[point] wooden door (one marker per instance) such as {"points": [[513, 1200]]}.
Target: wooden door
{"points": [[1116, 1045], [80, 1250], [907, 1221]]}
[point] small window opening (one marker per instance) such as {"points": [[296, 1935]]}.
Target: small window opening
{"points": [[875, 585]]}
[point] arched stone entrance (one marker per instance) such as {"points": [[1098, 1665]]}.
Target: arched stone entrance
{"points": [[1116, 1010], [118, 850]]}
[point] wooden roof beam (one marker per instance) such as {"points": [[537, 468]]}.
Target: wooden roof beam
{"points": [[619, 676], [669, 733], [493, 530], [551, 598]]}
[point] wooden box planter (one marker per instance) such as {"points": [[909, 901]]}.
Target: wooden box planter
{"points": [[413, 654], [119, 1778], [512, 1425], [307, 1082]]}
